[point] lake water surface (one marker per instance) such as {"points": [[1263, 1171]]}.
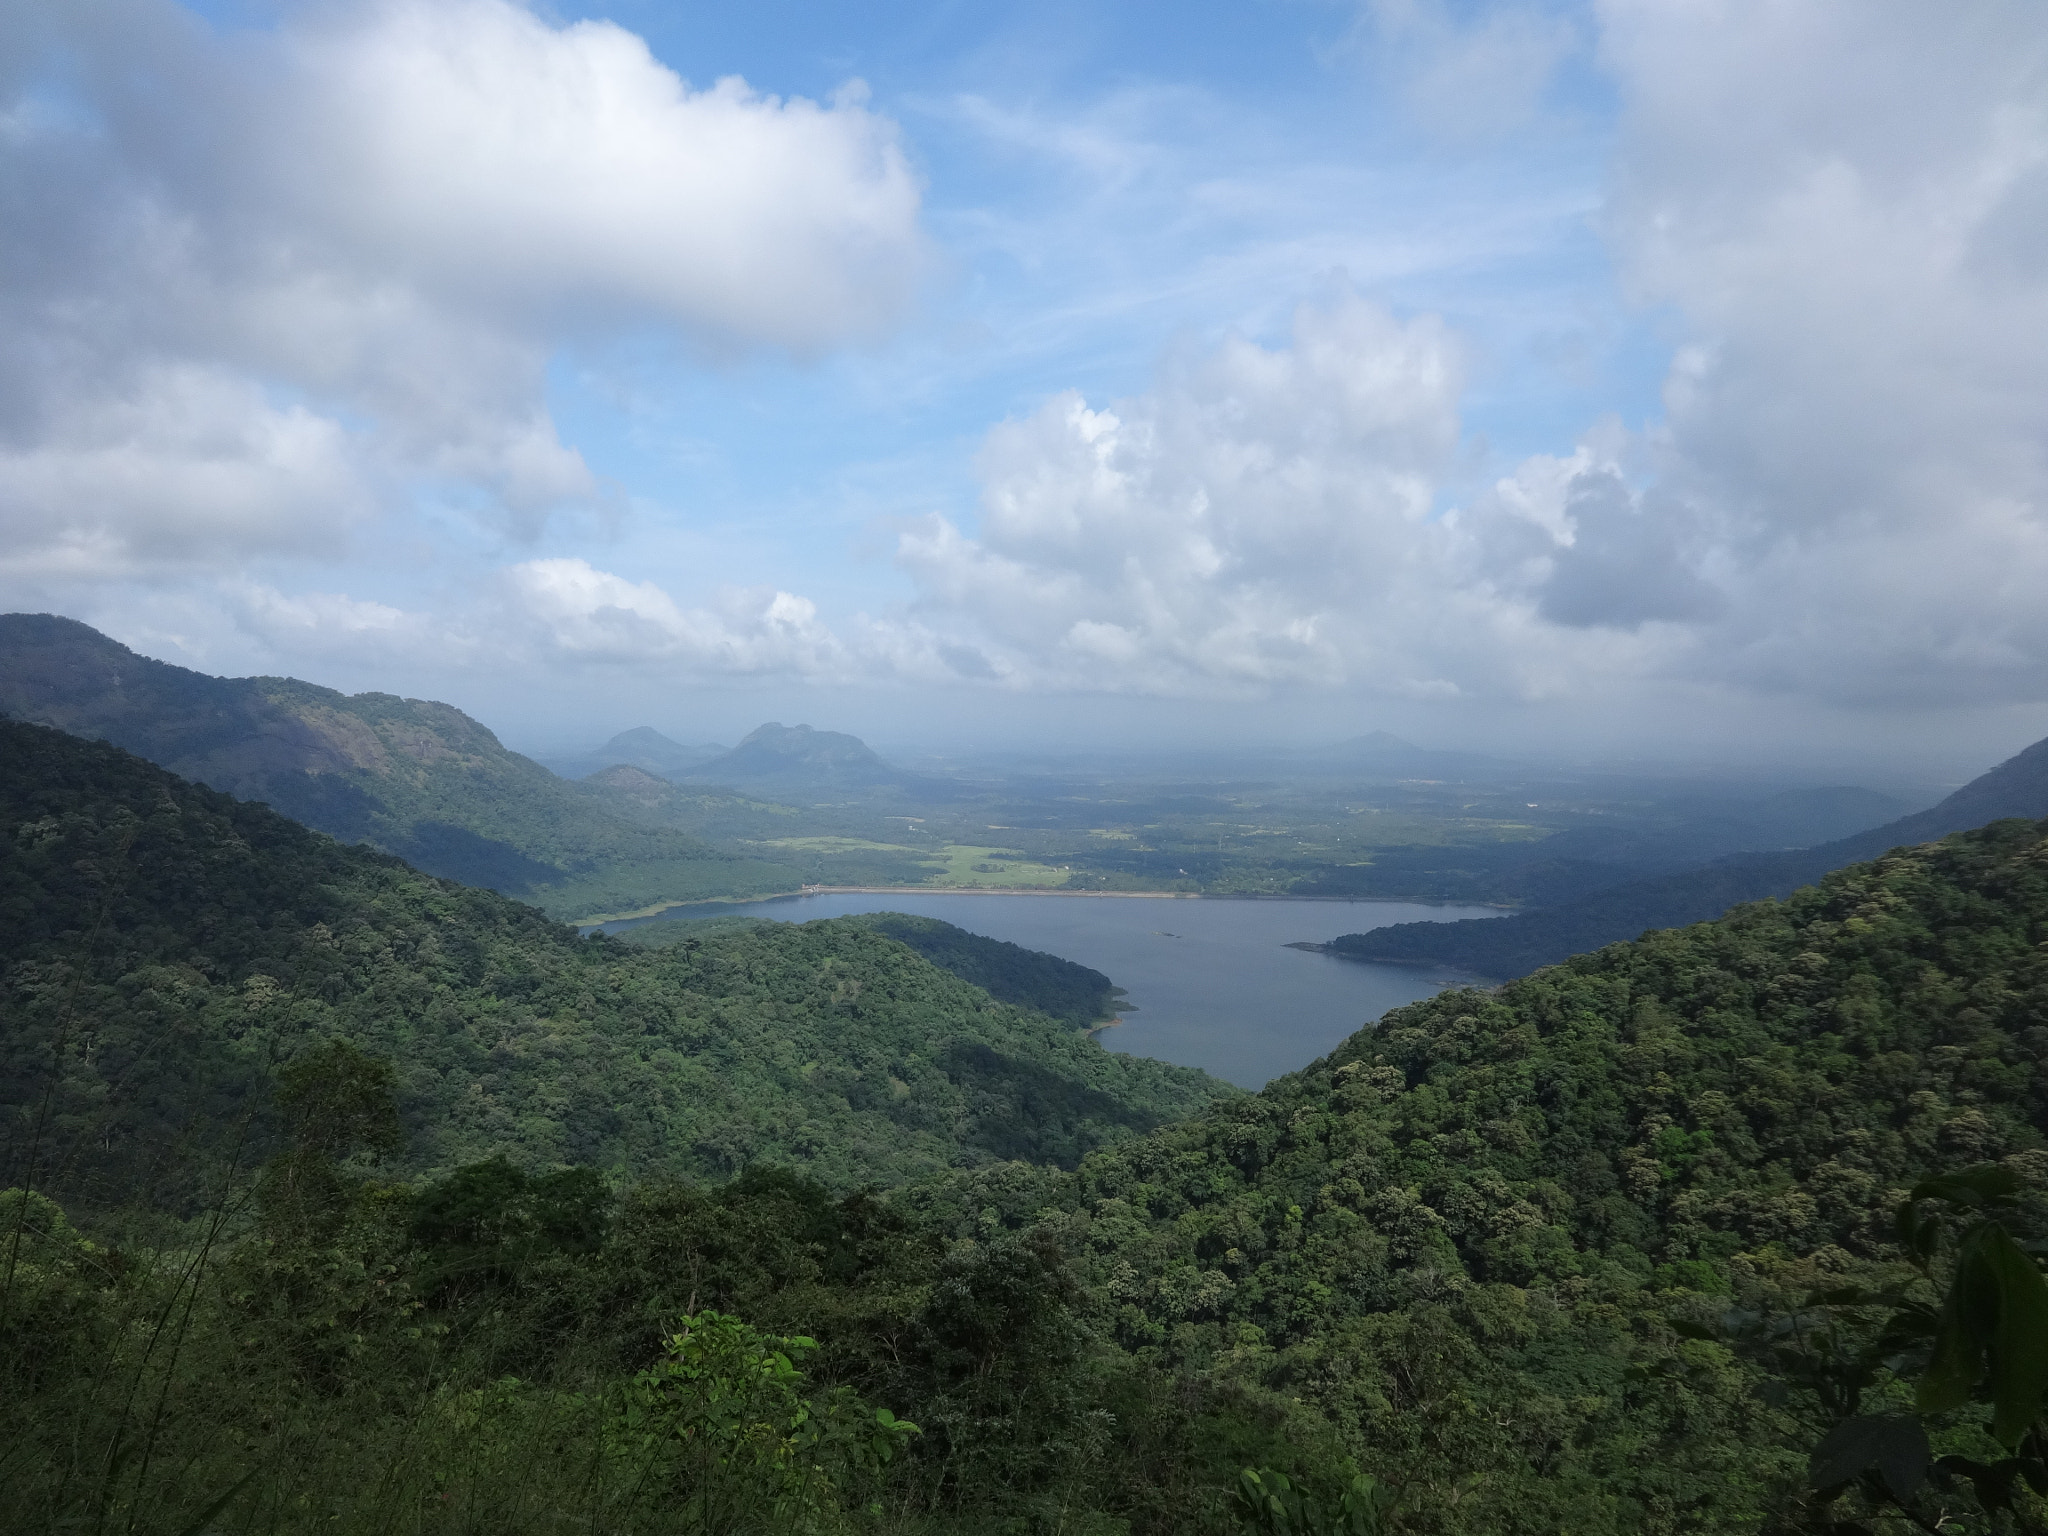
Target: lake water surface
{"points": [[1212, 979]]}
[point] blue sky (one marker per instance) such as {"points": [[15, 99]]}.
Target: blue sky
{"points": [[1105, 184], [1640, 376]]}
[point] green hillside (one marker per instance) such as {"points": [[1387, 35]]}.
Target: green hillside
{"points": [[173, 947], [1516, 945], [415, 778], [1077, 994], [1607, 1250], [1463, 1238]]}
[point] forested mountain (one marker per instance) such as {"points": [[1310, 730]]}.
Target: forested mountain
{"points": [[1463, 1238], [643, 747], [1010, 973], [1513, 946], [173, 947], [1579, 1254], [798, 758], [418, 779]]}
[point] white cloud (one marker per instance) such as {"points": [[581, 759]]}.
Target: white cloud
{"points": [[580, 614], [319, 630], [188, 462], [1573, 538], [252, 291], [495, 158], [320, 613], [1843, 207], [1465, 77], [251, 286], [1831, 196], [1261, 518]]}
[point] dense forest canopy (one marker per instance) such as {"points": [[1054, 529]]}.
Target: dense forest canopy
{"points": [[1009, 973], [415, 778], [364, 1199], [1464, 1235], [175, 946]]}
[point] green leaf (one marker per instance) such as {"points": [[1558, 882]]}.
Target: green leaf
{"points": [[1992, 1482], [1993, 1329], [1969, 1317], [1917, 1231], [1895, 1445], [1985, 1184], [2019, 1349]]}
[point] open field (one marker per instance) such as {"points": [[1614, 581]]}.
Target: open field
{"points": [[1510, 839], [962, 866]]}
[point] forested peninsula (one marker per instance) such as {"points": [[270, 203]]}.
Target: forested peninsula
{"points": [[359, 1200], [180, 945]]}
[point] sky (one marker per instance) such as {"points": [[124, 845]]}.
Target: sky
{"points": [[1656, 378]]}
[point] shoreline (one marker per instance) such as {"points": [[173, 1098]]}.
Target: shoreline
{"points": [[1093, 1031], [584, 923], [892, 890]]}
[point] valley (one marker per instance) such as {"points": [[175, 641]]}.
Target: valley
{"points": [[712, 1223], [791, 807], [1224, 984], [1020, 770]]}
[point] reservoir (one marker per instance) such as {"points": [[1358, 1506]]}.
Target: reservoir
{"points": [[1211, 981]]}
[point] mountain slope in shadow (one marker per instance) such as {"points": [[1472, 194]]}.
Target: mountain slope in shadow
{"points": [[164, 947], [413, 777], [1504, 947]]}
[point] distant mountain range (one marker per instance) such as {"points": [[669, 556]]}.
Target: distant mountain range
{"points": [[418, 779], [795, 756], [644, 748], [1505, 947], [660, 822], [775, 758]]}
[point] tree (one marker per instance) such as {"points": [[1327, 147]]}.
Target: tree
{"points": [[1967, 1333]]}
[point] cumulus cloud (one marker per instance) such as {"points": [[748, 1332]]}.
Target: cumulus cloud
{"points": [[1264, 519], [1246, 523], [575, 611], [1838, 200], [186, 458], [559, 618], [495, 158], [1844, 210], [326, 626], [253, 287], [1583, 548]]}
